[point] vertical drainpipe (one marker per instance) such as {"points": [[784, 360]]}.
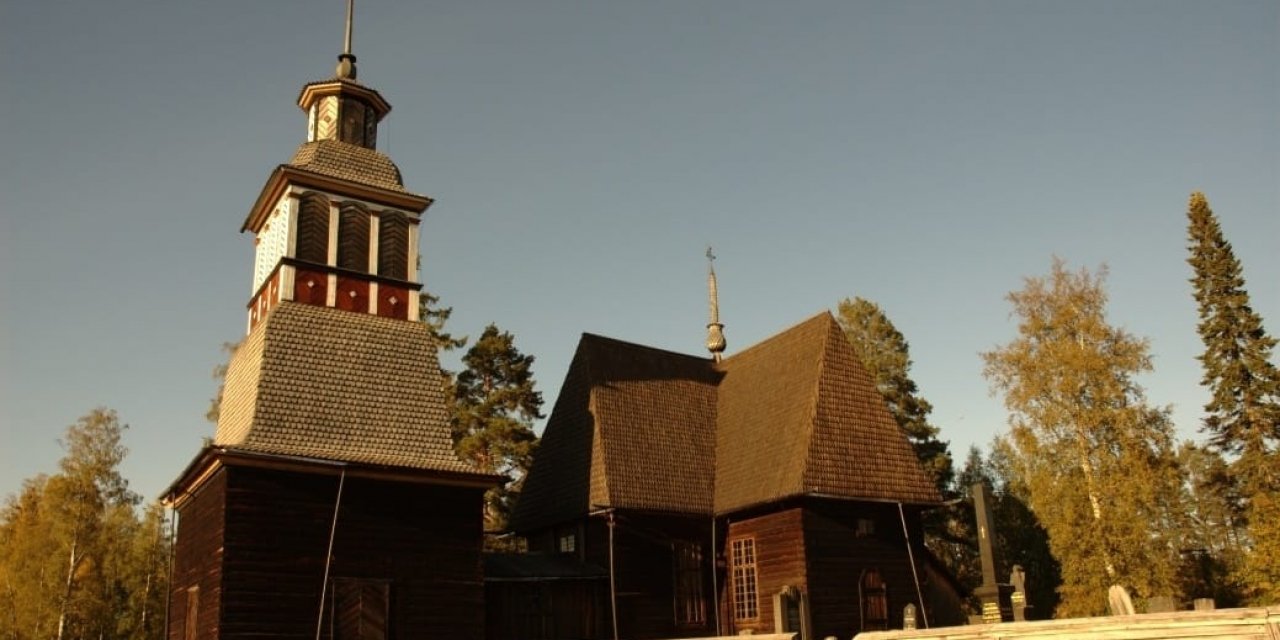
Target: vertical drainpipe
{"points": [[613, 585], [911, 557], [715, 585], [328, 558], [173, 534]]}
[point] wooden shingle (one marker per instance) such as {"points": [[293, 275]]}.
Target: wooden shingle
{"points": [[347, 161], [322, 383], [642, 428]]}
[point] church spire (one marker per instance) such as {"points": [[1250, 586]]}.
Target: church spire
{"points": [[715, 330], [347, 60]]}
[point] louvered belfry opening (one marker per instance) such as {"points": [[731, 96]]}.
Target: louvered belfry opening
{"points": [[353, 237], [393, 245], [313, 228]]}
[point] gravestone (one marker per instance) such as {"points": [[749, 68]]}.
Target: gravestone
{"points": [[909, 616], [1119, 601], [1161, 604]]}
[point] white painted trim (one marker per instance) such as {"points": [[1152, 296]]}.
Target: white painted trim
{"points": [[333, 233], [373, 298], [331, 293], [288, 276], [375, 224], [291, 239], [413, 306]]}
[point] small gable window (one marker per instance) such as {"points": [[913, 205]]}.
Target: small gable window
{"points": [[745, 594], [567, 542]]}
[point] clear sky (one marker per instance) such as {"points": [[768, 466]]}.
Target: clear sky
{"points": [[924, 155]]}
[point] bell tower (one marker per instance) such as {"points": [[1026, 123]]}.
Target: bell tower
{"points": [[330, 502], [334, 226]]}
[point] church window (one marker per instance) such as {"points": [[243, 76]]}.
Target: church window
{"points": [[745, 595], [393, 245], [313, 228], [690, 605], [353, 237], [567, 542], [358, 609]]}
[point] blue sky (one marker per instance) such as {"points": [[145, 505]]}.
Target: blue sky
{"points": [[925, 155]]}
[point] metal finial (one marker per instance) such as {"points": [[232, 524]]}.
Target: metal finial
{"points": [[347, 60], [715, 330]]}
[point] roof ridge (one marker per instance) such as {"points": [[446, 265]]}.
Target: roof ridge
{"points": [[595, 336], [761, 343]]}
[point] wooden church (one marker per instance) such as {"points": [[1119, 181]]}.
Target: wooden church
{"points": [[330, 503], [763, 492]]}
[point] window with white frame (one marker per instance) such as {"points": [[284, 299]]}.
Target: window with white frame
{"points": [[745, 594]]}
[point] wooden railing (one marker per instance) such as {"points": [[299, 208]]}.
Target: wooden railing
{"points": [[1258, 623]]}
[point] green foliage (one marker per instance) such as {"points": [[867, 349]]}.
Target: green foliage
{"points": [[495, 405], [1242, 417], [1020, 539], [1260, 569], [220, 374], [884, 352], [1211, 539], [1096, 463], [76, 561], [1243, 414], [435, 316]]}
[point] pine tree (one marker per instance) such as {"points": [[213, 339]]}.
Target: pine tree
{"points": [[884, 352], [495, 404], [1097, 463], [435, 316], [1242, 417]]}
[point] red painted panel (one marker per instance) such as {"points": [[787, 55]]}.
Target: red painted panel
{"points": [[353, 295], [310, 287], [393, 302]]}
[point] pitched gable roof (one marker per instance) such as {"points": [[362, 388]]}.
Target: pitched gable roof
{"points": [[766, 418], [622, 407], [324, 383], [857, 448], [642, 428]]}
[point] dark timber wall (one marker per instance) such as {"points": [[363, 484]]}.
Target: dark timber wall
{"points": [[198, 561], [780, 561], [840, 554], [422, 540]]}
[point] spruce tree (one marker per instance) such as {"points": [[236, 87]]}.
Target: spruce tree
{"points": [[884, 352], [1242, 417]]}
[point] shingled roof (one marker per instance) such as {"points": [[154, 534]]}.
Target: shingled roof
{"points": [[347, 161], [622, 408], [642, 428], [324, 383]]}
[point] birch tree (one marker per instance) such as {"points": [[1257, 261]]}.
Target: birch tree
{"points": [[1097, 462]]}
